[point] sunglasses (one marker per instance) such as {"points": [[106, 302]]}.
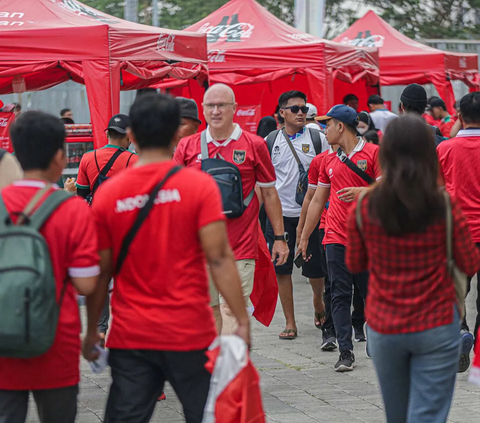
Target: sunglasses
{"points": [[296, 109]]}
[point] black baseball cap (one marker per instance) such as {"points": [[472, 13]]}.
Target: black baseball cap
{"points": [[188, 108], [119, 123]]}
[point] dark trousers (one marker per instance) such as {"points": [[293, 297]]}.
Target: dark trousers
{"points": [[341, 284], [138, 378], [477, 320], [358, 314], [328, 327], [54, 405], [104, 317]]}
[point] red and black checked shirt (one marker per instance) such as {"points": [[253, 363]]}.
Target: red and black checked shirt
{"points": [[409, 288]]}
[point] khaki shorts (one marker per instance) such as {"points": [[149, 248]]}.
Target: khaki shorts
{"points": [[246, 269]]}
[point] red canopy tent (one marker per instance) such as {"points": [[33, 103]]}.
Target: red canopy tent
{"points": [[260, 57], [405, 61], [46, 42]]}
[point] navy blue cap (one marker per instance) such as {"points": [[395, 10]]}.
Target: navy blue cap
{"points": [[342, 113]]}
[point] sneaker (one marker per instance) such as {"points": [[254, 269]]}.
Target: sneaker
{"points": [[359, 335], [466, 346], [345, 362], [367, 350], [329, 342]]}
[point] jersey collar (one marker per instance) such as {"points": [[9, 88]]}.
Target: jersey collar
{"points": [[237, 132], [32, 183], [470, 132], [359, 147]]}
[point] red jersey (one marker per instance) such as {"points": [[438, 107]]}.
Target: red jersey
{"points": [[250, 154], [446, 126], [409, 288], [313, 172], [72, 242], [336, 175], [161, 296], [90, 169], [430, 119], [459, 163]]}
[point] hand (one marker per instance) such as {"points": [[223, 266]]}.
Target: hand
{"points": [[348, 194], [280, 250], [243, 332], [69, 185], [302, 247], [88, 345]]}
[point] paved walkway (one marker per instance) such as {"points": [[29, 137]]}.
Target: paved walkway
{"points": [[298, 381]]}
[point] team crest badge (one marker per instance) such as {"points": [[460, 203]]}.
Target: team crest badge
{"points": [[362, 164], [239, 156], [306, 148]]}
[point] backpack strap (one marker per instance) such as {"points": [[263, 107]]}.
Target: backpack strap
{"points": [[316, 140], [141, 216], [249, 198], [128, 161], [4, 215], [344, 159], [204, 145], [271, 137], [106, 168], [50, 204]]}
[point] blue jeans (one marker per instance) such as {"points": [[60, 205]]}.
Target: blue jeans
{"points": [[417, 372]]}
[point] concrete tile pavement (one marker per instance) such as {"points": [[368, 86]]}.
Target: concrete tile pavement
{"points": [[298, 381]]}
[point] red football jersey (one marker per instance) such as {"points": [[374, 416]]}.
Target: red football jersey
{"points": [[336, 175], [250, 154], [313, 173], [460, 163], [161, 296], [88, 171], [72, 242]]}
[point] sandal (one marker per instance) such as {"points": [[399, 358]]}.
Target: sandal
{"points": [[287, 331], [321, 319]]}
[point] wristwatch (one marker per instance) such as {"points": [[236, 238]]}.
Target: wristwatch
{"points": [[283, 237]]}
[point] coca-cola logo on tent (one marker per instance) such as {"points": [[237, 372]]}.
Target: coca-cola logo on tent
{"points": [[228, 29], [166, 42], [217, 56], [364, 39], [82, 10]]}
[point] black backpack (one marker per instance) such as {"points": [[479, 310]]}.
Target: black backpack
{"points": [[229, 180], [314, 135], [437, 134]]}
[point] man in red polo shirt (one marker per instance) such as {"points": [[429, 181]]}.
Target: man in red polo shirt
{"points": [[70, 234], [459, 165], [340, 184], [162, 323], [249, 153]]}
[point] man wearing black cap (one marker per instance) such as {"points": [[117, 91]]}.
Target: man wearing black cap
{"points": [[190, 122], [342, 177], [439, 112], [414, 100]]}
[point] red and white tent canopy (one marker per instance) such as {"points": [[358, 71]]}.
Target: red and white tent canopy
{"points": [[46, 42], [250, 46], [404, 61]]}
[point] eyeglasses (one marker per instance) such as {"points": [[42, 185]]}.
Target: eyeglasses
{"points": [[296, 109], [221, 106]]}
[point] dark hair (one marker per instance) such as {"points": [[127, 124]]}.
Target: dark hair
{"points": [[407, 198], [154, 120], [36, 138], [115, 135], [470, 108], [375, 99], [413, 109], [266, 125], [438, 102], [18, 107], [372, 136], [280, 119], [63, 111], [349, 97], [350, 128], [367, 119], [283, 100]]}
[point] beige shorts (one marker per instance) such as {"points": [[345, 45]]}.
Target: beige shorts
{"points": [[246, 269]]}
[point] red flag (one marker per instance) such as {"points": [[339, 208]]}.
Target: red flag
{"points": [[265, 287]]}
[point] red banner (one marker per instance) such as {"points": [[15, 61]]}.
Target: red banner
{"points": [[6, 119], [248, 117]]}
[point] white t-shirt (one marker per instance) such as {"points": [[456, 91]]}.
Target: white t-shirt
{"points": [[381, 118], [286, 167]]}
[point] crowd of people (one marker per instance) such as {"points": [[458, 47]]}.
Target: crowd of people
{"points": [[163, 233]]}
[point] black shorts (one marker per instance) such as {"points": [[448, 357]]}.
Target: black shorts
{"points": [[312, 269]]}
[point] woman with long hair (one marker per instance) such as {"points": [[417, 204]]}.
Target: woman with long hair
{"points": [[413, 318]]}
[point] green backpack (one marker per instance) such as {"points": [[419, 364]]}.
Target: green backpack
{"points": [[28, 306]]}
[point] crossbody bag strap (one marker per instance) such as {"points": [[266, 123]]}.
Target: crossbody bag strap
{"points": [[344, 159], [96, 162], [204, 145], [141, 216], [289, 142], [107, 168]]}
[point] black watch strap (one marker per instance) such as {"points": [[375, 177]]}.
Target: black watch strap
{"points": [[283, 237]]}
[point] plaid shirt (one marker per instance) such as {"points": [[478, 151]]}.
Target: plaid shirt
{"points": [[409, 287]]}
